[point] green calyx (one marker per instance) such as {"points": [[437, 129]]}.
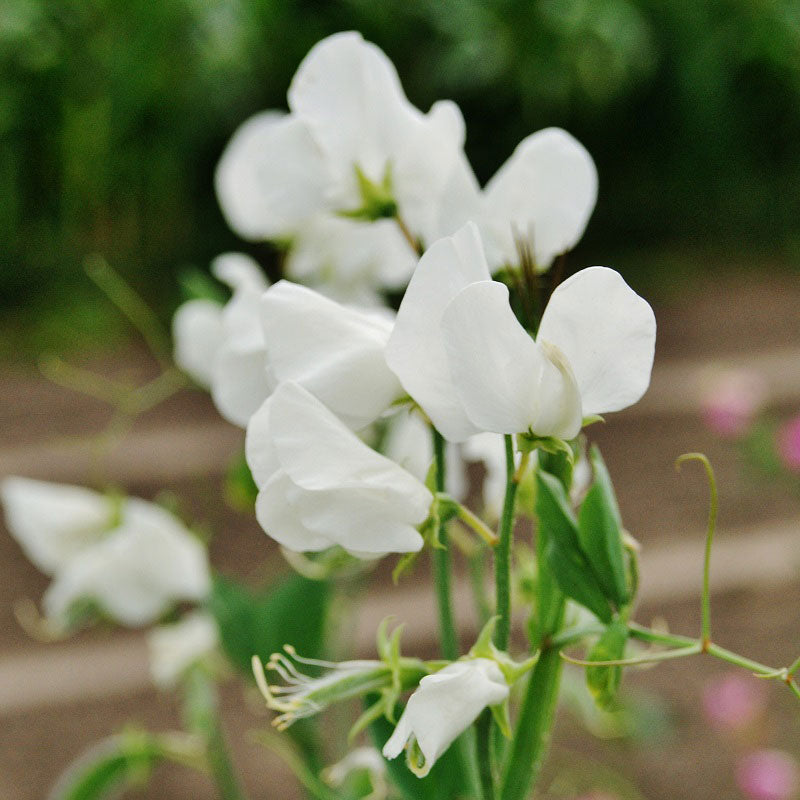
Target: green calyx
{"points": [[377, 199]]}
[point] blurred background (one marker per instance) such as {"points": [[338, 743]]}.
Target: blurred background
{"points": [[112, 118]]}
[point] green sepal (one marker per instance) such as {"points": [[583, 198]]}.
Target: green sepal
{"points": [[404, 564], [565, 557], [603, 682], [600, 534], [239, 487], [502, 717], [591, 420], [528, 442], [377, 199], [195, 284]]}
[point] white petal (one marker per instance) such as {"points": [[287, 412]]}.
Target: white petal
{"points": [[258, 446], [348, 93], [495, 365], [281, 520], [336, 353], [240, 317], [430, 169], [607, 333], [344, 256], [271, 177], [174, 648], [53, 522], [545, 193], [240, 377], [445, 705], [197, 333], [142, 568], [241, 382], [415, 351], [319, 452]]}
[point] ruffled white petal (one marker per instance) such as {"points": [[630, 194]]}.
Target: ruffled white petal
{"points": [[545, 193], [271, 177], [416, 352], [52, 522], [137, 572], [495, 365], [320, 485], [241, 382], [197, 333], [607, 333], [444, 706], [336, 353]]}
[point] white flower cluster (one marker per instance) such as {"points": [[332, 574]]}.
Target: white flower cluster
{"points": [[364, 193]]}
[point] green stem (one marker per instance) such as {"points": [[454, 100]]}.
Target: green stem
{"points": [[441, 563], [483, 731], [532, 736], [139, 314], [466, 744], [476, 565], [201, 712], [712, 524], [502, 558]]}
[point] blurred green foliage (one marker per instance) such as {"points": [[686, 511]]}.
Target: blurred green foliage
{"points": [[113, 115]]}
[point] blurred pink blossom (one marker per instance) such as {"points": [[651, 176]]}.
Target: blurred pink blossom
{"points": [[768, 775], [789, 444], [734, 701], [731, 400]]}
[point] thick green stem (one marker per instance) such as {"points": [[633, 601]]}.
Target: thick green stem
{"points": [[483, 731], [532, 736], [502, 557]]}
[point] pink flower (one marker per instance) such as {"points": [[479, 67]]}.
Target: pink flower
{"points": [[788, 441], [733, 701], [731, 401], [768, 775]]}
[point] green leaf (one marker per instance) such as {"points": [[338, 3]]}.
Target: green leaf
{"points": [[600, 534], [558, 464], [292, 612], [119, 761], [567, 561], [603, 682], [444, 781]]}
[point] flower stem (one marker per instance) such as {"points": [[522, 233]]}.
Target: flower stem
{"points": [[502, 559], [532, 736], [201, 712], [441, 563], [409, 237]]}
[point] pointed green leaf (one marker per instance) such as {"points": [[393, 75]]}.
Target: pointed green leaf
{"points": [[569, 564], [600, 533]]}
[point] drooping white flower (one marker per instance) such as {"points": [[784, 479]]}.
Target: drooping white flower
{"points": [[175, 648], [222, 347], [131, 558], [320, 485], [349, 122], [460, 352], [541, 198], [442, 708]]}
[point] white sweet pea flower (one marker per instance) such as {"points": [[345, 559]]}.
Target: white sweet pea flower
{"points": [[320, 485], [222, 347], [460, 352], [442, 708], [335, 352], [541, 198], [350, 132], [131, 558], [174, 648]]}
